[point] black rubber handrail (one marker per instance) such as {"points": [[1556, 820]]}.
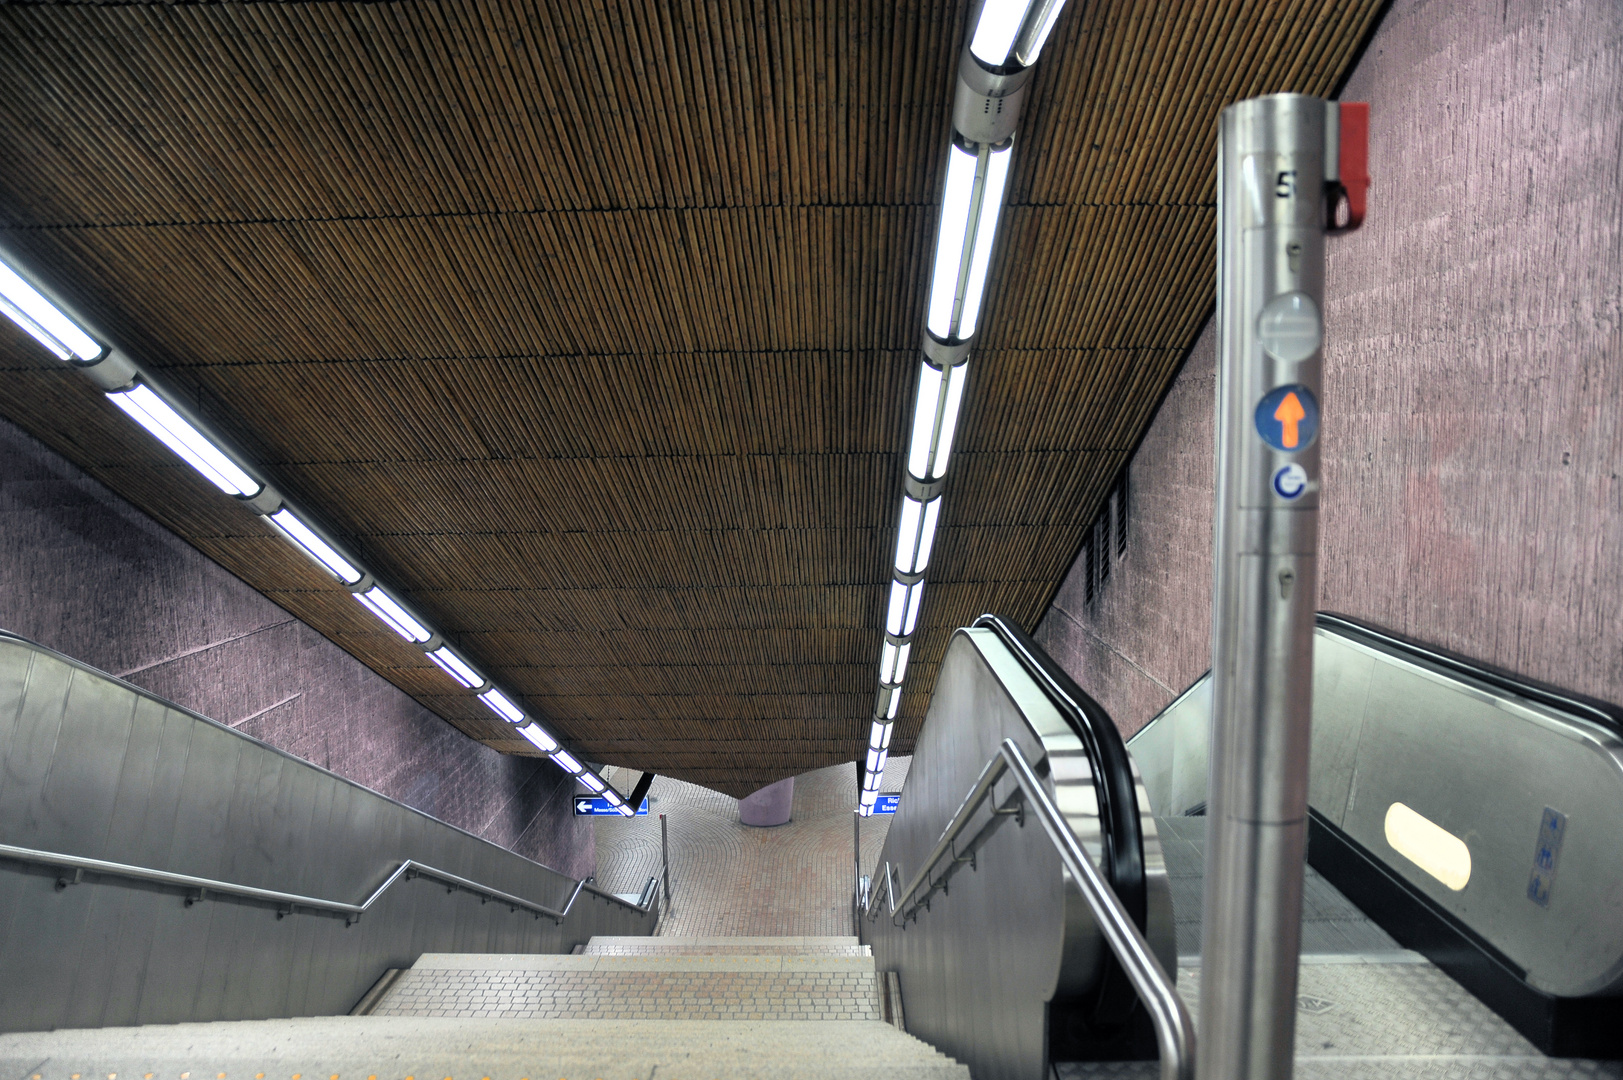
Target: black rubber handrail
{"points": [[1600, 712], [1121, 832]]}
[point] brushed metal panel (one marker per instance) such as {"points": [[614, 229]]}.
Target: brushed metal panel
{"points": [[1484, 767], [30, 750], [979, 966], [1341, 677]]}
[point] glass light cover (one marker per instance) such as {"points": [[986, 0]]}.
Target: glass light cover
{"points": [[1032, 41], [613, 797], [887, 663], [314, 546], [895, 703], [884, 738], [915, 600], [538, 737], [592, 783], [901, 661], [565, 762], [956, 377], [897, 611], [951, 238], [997, 173], [43, 320], [170, 428], [925, 407], [456, 667], [873, 761], [504, 708], [916, 534], [932, 511], [389, 610], [907, 534], [999, 25]]}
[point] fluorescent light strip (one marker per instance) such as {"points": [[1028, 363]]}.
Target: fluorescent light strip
{"points": [[566, 763], [389, 610], [592, 783], [893, 663], [1036, 37], [916, 534], [314, 546], [999, 25], [903, 614], [925, 408], [170, 428], [991, 203], [539, 738], [456, 667], [43, 320], [504, 708], [895, 703], [951, 239]]}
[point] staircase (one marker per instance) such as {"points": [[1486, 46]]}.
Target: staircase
{"points": [[665, 1008]]}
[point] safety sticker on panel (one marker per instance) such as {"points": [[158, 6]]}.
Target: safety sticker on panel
{"points": [[1288, 418]]}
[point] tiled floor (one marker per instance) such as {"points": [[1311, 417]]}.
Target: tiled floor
{"points": [[730, 879]]}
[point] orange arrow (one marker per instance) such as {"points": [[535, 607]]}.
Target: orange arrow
{"points": [[1289, 414]]}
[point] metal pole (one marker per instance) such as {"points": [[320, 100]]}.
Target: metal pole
{"points": [[856, 880], [665, 862], [1275, 155]]}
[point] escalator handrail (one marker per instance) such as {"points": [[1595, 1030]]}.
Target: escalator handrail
{"points": [[1174, 1031], [1120, 829], [292, 902]]}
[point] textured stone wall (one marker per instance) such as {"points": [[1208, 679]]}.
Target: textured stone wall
{"points": [[87, 574], [1473, 433]]}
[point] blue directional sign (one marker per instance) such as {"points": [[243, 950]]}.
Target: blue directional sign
{"points": [[1288, 418], [598, 806], [887, 804]]}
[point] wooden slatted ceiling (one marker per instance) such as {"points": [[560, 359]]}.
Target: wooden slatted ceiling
{"points": [[594, 327]]}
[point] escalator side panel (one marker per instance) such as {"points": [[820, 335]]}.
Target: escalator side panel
{"points": [[980, 965]]}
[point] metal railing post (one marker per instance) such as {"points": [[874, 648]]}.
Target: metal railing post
{"points": [[665, 863]]}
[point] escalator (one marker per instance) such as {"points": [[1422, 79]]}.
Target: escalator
{"points": [[1463, 910]]}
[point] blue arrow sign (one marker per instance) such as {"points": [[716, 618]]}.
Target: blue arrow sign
{"points": [[598, 806]]}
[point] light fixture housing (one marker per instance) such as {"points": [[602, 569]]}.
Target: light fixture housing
{"points": [[164, 423], [970, 206], [501, 705], [44, 321], [893, 662], [456, 667], [1011, 33], [935, 419], [302, 536], [902, 614], [396, 617], [538, 737], [915, 535]]}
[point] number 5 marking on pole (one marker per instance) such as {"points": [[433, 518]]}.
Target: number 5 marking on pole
{"points": [[1285, 184]]}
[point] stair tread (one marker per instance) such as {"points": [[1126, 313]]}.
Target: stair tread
{"points": [[499, 1049]]}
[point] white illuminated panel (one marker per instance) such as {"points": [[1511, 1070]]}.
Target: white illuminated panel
{"points": [[503, 707], [389, 610], [1429, 846], [303, 537], [43, 320], [163, 423]]}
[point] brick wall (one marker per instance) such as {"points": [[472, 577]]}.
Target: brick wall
{"points": [[87, 574], [1473, 432]]}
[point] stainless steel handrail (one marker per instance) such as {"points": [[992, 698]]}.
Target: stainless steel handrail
{"points": [[1174, 1031], [291, 902]]}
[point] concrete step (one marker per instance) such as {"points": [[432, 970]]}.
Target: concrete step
{"points": [[646, 987], [726, 946], [428, 1048]]}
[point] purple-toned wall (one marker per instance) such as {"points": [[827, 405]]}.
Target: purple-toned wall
{"points": [[88, 575], [1473, 432]]}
